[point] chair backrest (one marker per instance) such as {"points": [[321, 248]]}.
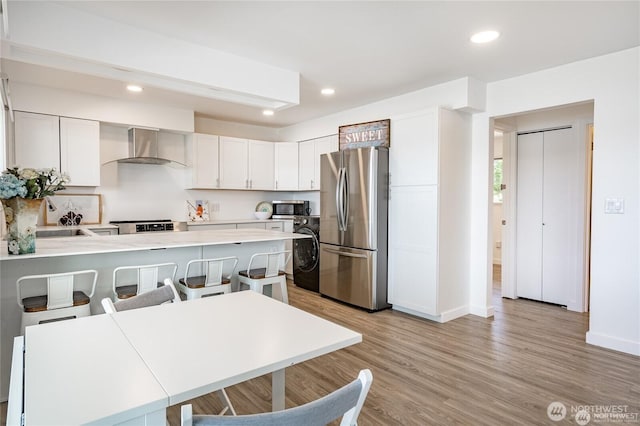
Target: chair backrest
{"points": [[346, 402], [157, 296], [146, 276], [272, 261], [60, 287], [213, 269]]}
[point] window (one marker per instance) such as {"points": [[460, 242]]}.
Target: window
{"points": [[497, 180]]}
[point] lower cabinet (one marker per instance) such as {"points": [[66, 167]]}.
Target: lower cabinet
{"points": [[274, 225]]}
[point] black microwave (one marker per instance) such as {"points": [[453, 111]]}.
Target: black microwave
{"points": [[289, 208]]}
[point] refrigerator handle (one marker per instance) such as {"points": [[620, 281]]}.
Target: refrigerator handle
{"points": [[344, 253], [339, 199], [345, 199]]}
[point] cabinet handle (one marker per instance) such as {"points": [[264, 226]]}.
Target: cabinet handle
{"points": [[246, 184], [250, 183], [311, 183], [276, 184], [218, 182]]}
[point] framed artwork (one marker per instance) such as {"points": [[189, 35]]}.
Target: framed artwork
{"points": [[73, 209], [361, 135], [198, 210]]}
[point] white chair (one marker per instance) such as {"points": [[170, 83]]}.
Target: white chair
{"points": [[163, 294], [346, 402], [270, 272], [129, 281], [214, 281], [61, 300]]}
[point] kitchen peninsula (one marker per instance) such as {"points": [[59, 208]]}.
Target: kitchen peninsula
{"points": [[105, 253]]}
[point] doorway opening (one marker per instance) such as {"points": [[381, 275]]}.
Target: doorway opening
{"points": [[575, 196]]}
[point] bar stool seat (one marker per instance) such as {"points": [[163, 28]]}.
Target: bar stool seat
{"points": [[216, 279], [128, 291], [271, 274], [39, 303]]}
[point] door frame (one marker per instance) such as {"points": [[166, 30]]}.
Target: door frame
{"points": [[579, 302]]}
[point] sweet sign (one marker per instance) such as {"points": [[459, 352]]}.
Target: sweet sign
{"points": [[372, 133]]}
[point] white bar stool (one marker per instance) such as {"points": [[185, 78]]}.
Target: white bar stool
{"points": [[129, 281], [214, 281], [271, 274], [61, 299]]}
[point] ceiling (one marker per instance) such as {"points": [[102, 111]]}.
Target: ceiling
{"points": [[366, 50]]}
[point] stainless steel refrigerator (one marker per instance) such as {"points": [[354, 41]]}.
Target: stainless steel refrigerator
{"points": [[354, 198]]}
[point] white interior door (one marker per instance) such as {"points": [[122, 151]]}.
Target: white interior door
{"points": [[558, 239], [529, 216]]}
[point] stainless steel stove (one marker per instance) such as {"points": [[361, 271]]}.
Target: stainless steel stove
{"points": [[139, 226]]}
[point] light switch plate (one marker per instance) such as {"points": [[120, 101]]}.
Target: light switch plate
{"points": [[614, 206]]}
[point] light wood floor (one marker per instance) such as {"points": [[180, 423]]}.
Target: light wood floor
{"points": [[472, 371]]}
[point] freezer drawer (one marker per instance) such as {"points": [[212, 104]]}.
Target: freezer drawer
{"points": [[353, 276]]}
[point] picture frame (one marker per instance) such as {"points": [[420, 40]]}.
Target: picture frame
{"points": [[198, 210], [70, 205], [361, 135]]}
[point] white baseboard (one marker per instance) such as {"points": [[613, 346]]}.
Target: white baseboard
{"points": [[615, 343], [452, 314], [416, 313], [482, 311]]}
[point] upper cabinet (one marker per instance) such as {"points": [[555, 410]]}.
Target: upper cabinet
{"points": [[202, 157], [286, 166], [309, 153], [66, 144], [80, 151], [246, 164]]}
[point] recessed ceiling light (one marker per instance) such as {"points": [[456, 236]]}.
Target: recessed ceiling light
{"points": [[328, 91], [485, 36], [134, 88], [267, 112]]}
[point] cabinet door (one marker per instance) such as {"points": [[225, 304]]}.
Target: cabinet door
{"points": [[37, 141], [413, 248], [234, 172], [261, 165], [286, 166], [414, 157], [306, 165], [203, 159], [213, 227], [80, 151]]}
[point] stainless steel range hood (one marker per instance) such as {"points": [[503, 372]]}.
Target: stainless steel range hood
{"points": [[143, 148]]}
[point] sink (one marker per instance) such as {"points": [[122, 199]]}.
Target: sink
{"points": [[71, 232]]}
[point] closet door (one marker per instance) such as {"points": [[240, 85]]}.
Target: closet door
{"points": [[558, 207], [529, 216]]}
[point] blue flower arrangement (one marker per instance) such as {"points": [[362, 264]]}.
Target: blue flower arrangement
{"points": [[31, 183]]}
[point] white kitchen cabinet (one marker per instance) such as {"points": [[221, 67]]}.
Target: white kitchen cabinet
{"points": [[286, 166], [203, 158], [37, 140], [546, 213], [246, 164], [234, 164], [261, 165], [309, 153], [429, 213], [252, 225], [80, 151], [69, 145]]}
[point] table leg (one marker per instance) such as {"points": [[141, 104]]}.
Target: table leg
{"points": [[277, 390]]}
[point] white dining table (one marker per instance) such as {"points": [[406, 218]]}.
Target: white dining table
{"points": [[110, 369]]}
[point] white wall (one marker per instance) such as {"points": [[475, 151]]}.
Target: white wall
{"points": [[212, 126], [612, 82]]}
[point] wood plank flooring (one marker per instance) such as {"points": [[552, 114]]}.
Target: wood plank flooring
{"points": [[471, 371]]}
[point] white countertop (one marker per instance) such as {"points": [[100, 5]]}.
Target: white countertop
{"points": [[227, 221], [72, 246]]}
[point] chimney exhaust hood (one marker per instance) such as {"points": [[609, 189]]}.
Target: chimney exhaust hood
{"points": [[143, 148]]}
